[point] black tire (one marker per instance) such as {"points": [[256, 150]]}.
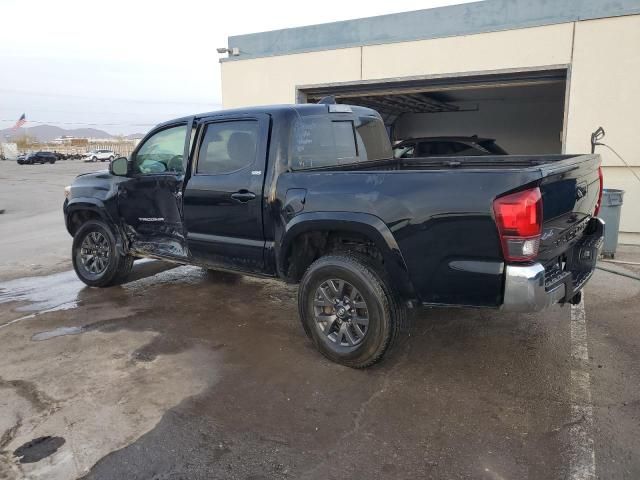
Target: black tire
{"points": [[94, 159], [386, 314], [52, 162], [117, 266]]}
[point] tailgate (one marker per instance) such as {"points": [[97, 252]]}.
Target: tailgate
{"points": [[570, 193]]}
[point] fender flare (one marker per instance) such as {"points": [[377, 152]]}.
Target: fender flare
{"points": [[98, 207], [82, 204], [365, 224]]}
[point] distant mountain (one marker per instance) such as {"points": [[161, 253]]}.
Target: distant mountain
{"points": [[46, 133], [135, 136]]}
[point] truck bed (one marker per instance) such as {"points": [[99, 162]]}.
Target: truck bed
{"points": [[440, 210], [491, 162]]}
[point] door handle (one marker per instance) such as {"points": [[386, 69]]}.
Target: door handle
{"points": [[243, 196]]}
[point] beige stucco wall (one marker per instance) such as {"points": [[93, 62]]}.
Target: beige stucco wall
{"points": [[272, 80], [528, 47], [605, 90], [604, 80]]}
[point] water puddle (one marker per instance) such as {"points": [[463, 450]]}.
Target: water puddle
{"points": [[38, 448], [64, 291], [58, 332], [49, 293]]}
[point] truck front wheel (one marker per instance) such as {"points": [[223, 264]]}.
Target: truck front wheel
{"points": [[96, 259], [349, 310]]}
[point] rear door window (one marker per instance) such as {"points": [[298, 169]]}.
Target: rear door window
{"points": [[228, 147]]}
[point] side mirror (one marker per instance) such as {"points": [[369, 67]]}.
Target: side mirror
{"points": [[119, 167]]}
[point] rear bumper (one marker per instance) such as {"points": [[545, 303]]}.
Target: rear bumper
{"points": [[528, 288]]}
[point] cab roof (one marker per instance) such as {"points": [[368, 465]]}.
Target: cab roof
{"points": [[302, 109]]}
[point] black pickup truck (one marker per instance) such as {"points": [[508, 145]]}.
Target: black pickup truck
{"points": [[311, 194]]}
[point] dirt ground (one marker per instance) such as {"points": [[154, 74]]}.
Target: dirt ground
{"points": [[181, 374]]}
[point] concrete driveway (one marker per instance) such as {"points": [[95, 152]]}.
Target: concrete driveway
{"points": [[183, 374]]}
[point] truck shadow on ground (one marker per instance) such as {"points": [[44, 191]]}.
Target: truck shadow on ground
{"points": [[466, 391], [470, 391]]}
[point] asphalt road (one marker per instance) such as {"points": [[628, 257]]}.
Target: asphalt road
{"points": [[180, 374], [32, 197]]}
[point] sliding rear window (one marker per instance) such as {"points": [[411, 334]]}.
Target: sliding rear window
{"points": [[321, 141]]}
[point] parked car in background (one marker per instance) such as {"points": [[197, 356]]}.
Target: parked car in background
{"points": [[102, 155], [447, 146], [37, 157], [311, 194]]}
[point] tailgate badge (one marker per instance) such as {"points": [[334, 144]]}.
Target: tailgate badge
{"points": [[581, 192]]}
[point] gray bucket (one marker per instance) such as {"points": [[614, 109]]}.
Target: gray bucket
{"points": [[610, 213]]}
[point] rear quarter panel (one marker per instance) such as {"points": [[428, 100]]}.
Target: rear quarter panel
{"points": [[442, 221]]}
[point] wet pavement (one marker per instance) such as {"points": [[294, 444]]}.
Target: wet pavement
{"points": [[181, 374], [184, 374]]}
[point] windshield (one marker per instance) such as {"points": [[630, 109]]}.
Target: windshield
{"points": [[321, 141]]}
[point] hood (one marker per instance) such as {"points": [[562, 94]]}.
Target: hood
{"points": [[101, 185]]}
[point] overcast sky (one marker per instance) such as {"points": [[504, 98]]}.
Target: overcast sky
{"points": [[124, 66]]}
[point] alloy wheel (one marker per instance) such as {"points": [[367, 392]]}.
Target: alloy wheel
{"points": [[341, 313], [95, 253]]}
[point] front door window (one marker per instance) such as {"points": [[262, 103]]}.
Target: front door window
{"points": [[162, 152]]}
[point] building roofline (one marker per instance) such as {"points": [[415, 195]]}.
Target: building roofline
{"points": [[465, 19]]}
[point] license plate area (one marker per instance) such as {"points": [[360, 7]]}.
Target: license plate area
{"points": [[575, 266]]}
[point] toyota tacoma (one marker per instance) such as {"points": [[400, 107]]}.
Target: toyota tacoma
{"points": [[312, 195]]}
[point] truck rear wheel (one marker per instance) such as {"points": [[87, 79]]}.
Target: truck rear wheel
{"points": [[96, 259], [349, 310]]}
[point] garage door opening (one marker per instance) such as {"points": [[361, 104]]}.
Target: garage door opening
{"points": [[523, 112]]}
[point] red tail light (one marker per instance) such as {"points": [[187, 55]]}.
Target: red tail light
{"points": [[519, 220], [599, 202]]}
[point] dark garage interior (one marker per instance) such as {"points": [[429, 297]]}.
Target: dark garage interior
{"points": [[524, 113]]}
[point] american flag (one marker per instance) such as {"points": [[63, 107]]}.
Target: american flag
{"points": [[21, 121]]}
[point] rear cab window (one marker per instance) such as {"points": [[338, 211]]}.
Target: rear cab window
{"points": [[325, 141]]}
